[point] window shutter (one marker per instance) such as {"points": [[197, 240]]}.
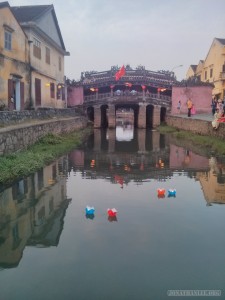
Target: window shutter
{"points": [[22, 95]]}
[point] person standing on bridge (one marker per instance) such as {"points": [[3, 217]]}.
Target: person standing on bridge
{"points": [[189, 106]]}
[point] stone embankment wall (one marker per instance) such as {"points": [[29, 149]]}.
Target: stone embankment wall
{"points": [[15, 117], [197, 126], [19, 137]]}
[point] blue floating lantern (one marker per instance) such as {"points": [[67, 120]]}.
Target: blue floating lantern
{"points": [[172, 193], [90, 210]]}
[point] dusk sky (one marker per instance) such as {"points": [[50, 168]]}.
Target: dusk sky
{"points": [[159, 35]]}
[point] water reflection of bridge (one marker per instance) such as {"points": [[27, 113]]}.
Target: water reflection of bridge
{"points": [[149, 156], [159, 163]]}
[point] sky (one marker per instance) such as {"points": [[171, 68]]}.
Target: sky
{"points": [[158, 34]]}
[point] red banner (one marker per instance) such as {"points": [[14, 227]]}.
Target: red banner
{"points": [[120, 73]]}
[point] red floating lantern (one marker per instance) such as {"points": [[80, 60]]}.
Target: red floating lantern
{"points": [[143, 87], [161, 193], [112, 212]]}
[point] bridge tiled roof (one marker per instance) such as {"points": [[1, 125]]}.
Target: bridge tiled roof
{"points": [[163, 78]]}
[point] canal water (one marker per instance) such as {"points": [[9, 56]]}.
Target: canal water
{"points": [[155, 245]]}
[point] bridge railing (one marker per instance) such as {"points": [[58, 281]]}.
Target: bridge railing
{"points": [[138, 96]]}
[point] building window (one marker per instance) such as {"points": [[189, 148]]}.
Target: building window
{"points": [[60, 64], [59, 88], [37, 49], [52, 90], [8, 40], [211, 73], [205, 75], [47, 55], [63, 93]]}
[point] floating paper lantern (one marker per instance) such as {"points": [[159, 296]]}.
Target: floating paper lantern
{"points": [[89, 210], [161, 193], [172, 193], [112, 212]]}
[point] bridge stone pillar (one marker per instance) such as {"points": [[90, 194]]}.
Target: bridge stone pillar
{"points": [[156, 116], [142, 115], [97, 117], [112, 116], [111, 139], [141, 140], [97, 140]]}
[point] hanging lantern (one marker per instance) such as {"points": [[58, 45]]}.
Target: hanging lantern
{"points": [[143, 87], [92, 89]]}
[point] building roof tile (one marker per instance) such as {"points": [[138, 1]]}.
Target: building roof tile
{"points": [[222, 41], [4, 4], [29, 13]]}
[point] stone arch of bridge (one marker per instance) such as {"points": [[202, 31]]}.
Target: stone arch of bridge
{"points": [[145, 115], [149, 116], [162, 114], [126, 106], [90, 113], [98, 115]]}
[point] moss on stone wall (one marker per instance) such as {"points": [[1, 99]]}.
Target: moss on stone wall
{"points": [[48, 148]]}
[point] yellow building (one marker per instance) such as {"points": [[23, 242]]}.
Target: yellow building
{"points": [[14, 68], [46, 54], [32, 55], [212, 69]]}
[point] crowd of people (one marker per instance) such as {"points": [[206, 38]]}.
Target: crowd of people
{"points": [[218, 111]]}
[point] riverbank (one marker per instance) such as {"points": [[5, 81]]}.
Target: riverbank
{"points": [[211, 144], [48, 148], [200, 124], [14, 138]]}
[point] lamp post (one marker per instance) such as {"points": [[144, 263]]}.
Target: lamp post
{"points": [[176, 67], [172, 73]]}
